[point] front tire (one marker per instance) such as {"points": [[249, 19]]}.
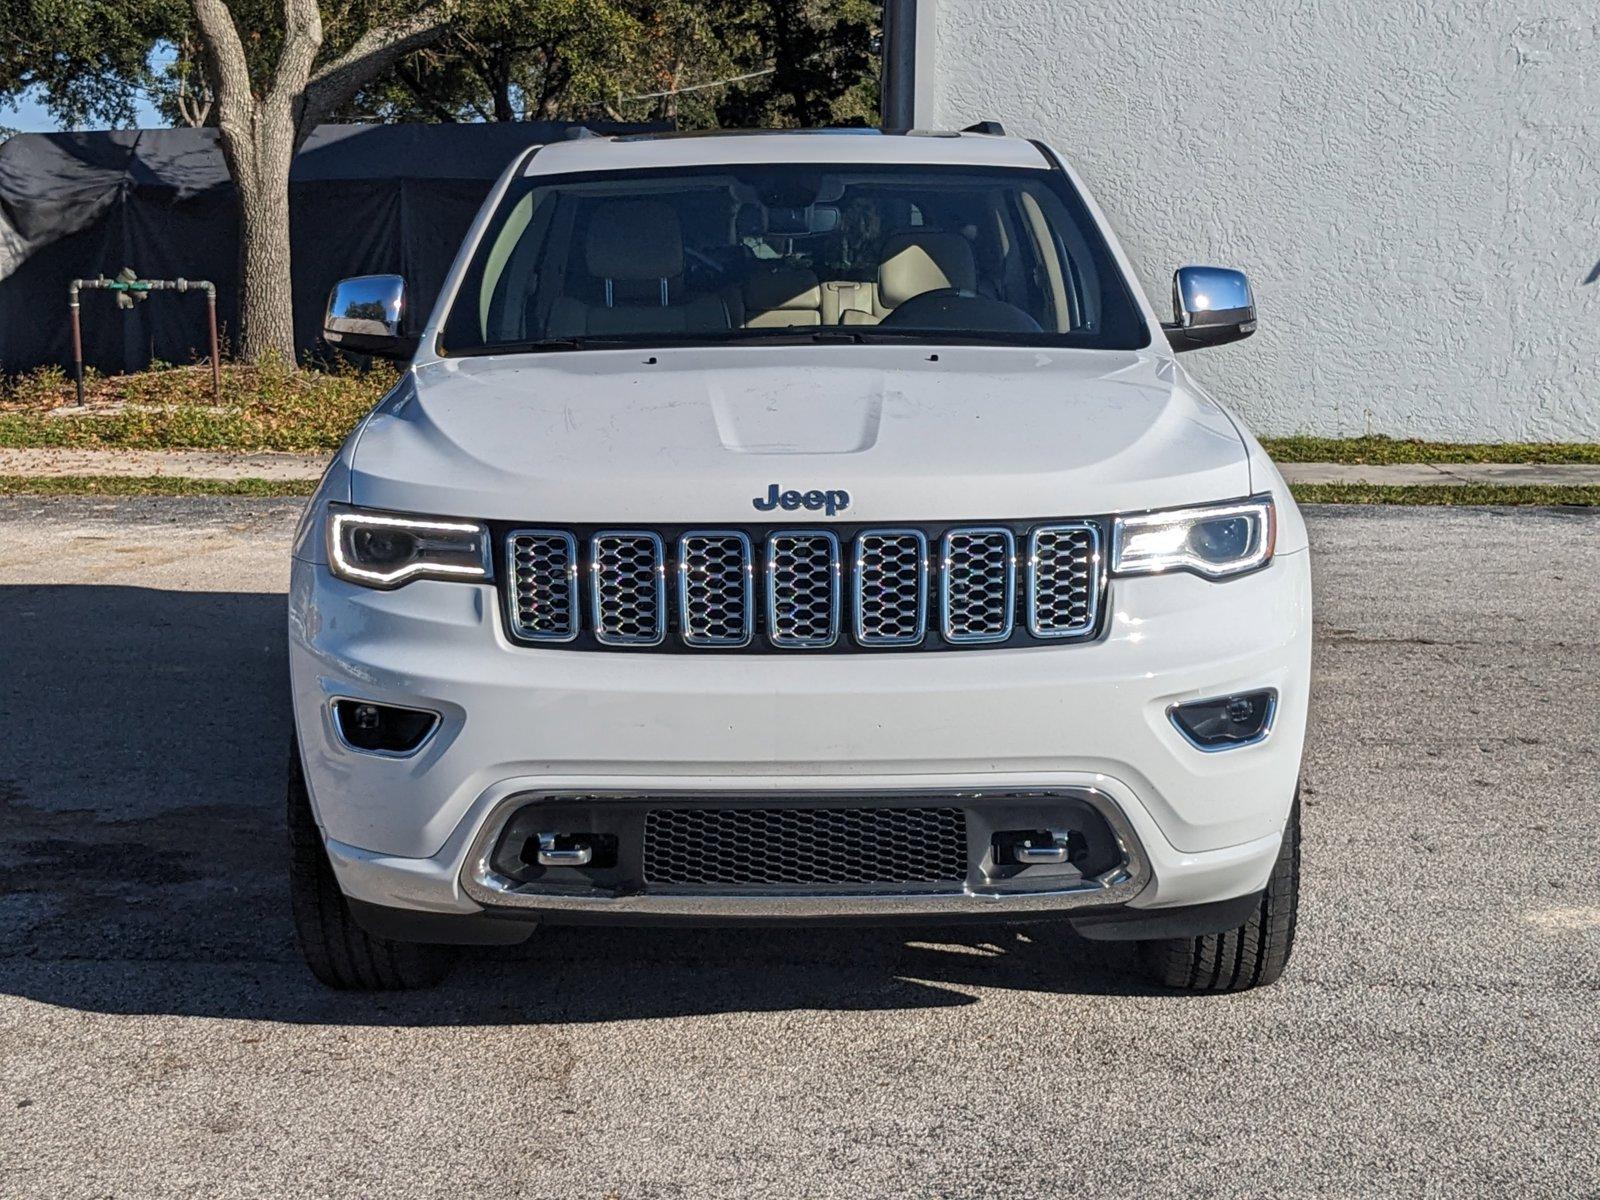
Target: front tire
{"points": [[1254, 954], [339, 952]]}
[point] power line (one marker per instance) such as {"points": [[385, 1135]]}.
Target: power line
{"points": [[698, 87]]}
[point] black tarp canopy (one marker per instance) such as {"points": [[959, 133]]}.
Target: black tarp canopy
{"points": [[363, 199]]}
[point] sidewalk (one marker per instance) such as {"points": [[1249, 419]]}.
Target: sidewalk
{"points": [[1410, 474], [180, 464], [208, 464]]}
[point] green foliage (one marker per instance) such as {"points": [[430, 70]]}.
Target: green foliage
{"points": [[87, 59], [644, 60], [508, 60], [824, 65]]}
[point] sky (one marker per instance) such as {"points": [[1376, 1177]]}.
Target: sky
{"points": [[29, 115]]}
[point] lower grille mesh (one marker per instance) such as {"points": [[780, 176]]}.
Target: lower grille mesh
{"points": [[776, 847]]}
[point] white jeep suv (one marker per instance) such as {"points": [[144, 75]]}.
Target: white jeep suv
{"points": [[796, 527]]}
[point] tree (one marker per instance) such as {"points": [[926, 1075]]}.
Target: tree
{"points": [[88, 59], [643, 60], [267, 103], [823, 65], [510, 60]]}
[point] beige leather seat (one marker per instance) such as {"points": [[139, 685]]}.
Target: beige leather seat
{"points": [[783, 297], [913, 262], [635, 249]]}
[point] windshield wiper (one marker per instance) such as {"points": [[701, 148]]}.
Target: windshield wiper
{"points": [[790, 335], [531, 346]]}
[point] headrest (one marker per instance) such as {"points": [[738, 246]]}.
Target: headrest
{"points": [[634, 239], [787, 287], [924, 260]]}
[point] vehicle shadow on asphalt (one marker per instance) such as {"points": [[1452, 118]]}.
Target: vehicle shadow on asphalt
{"points": [[142, 858]]}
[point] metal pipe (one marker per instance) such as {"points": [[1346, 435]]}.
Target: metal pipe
{"points": [[140, 287]]}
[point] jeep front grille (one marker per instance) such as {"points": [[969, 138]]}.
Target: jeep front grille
{"points": [[716, 589], [978, 594], [803, 589], [768, 589], [628, 586], [891, 587], [1061, 571], [796, 847], [543, 588]]}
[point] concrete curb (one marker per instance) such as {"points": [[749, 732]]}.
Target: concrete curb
{"points": [[211, 464]]}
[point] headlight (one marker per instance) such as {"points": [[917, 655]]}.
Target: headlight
{"points": [[1214, 541], [385, 550]]}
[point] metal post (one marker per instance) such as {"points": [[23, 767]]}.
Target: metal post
{"points": [[216, 358], [899, 69], [77, 338]]}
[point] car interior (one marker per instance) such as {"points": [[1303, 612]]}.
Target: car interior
{"points": [[784, 248]]}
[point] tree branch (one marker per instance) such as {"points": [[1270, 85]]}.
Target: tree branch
{"points": [[371, 55], [229, 66], [302, 40], [412, 81]]}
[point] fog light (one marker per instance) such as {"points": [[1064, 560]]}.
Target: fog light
{"points": [[1226, 722], [382, 728]]}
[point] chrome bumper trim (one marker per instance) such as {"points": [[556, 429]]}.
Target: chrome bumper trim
{"points": [[1117, 886]]}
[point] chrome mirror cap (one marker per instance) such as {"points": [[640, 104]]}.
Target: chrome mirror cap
{"points": [[366, 315], [1211, 306]]}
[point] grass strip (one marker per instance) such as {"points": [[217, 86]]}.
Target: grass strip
{"points": [[1447, 494], [149, 485], [1456, 495], [1383, 451]]}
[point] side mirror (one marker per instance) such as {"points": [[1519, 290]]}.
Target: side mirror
{"points": [[1211, 306], [365, 316]]}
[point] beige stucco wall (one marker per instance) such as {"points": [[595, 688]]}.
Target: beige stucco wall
{"points": [[1413, 188]]}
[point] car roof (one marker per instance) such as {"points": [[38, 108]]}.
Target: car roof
{"points": [[588, 152]]}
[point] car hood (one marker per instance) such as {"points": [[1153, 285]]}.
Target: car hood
{"points": [[698, 434]]}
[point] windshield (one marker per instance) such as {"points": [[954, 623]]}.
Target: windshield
{"points": [[790, 252]]}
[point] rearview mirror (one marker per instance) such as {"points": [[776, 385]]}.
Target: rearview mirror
{"points": [[366, 315], [1211, 306]]}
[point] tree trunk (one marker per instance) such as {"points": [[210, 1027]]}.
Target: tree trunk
{"points": [[500, 85], [260, 164], [266, 294]]}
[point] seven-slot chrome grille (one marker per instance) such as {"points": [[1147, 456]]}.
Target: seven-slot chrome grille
{"points": [[795, 589]]}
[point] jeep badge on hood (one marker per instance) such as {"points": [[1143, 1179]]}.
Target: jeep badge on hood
{"points": [[832, 502]]}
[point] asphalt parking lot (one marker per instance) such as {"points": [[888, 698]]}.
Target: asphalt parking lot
{"points": [[1437, 1033]]}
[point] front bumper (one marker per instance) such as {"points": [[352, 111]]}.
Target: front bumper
{"points": [[1119, 870], [519, 723]]}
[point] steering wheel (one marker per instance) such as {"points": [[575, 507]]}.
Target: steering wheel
{"points": [[948, 308]]}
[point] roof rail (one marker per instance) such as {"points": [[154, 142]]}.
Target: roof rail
{"points": [[992, 128]]}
